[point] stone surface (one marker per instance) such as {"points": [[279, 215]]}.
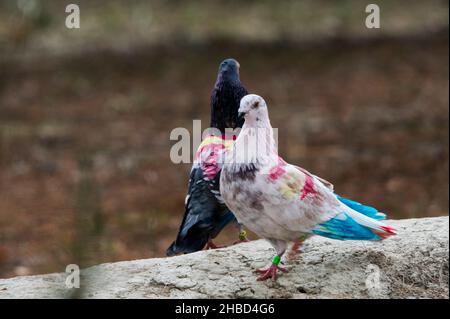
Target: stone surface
{"points": [[413, 264]]}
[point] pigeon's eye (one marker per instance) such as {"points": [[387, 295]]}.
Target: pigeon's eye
{"points": [[255, 105]]}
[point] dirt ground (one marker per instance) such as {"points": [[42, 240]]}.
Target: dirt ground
{"points": [[85, 172]]}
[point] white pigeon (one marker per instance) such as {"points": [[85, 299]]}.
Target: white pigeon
{"points": [[284, 203]]}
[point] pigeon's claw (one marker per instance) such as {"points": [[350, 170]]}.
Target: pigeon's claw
{"points": [[270, 272], [211, 245], [246, 240]]}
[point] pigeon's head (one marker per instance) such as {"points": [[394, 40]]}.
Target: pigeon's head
{"points": [[253, 108], [229, 69]]}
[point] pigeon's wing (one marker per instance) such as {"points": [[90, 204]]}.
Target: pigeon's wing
{"points": [[205, 213], [302, 202], [298, 200], [369, 211], [323, 181]]}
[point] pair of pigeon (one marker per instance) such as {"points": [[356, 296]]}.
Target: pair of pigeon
{"points": [[244, 180]]}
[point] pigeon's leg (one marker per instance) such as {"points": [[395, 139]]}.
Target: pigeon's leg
{"points": [[294, 251], [271, 271], [242, 234], [211, 245]]}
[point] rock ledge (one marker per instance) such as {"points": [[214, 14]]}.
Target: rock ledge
{"points": [[413, 264]]}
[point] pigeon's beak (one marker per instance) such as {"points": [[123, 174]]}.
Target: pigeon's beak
{"points": [[241, 115]]}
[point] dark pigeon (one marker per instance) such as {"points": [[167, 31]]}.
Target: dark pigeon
{"points": [[205, 212]]}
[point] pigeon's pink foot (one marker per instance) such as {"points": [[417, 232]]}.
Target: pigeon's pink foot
{"points": [[211, 245], [270, 272], [246, 240]]}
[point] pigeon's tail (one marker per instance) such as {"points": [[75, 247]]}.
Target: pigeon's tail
{"points": [[194, 238], [188, 245], [353, 225], [191, 241], [172, 250], [369, 211]]}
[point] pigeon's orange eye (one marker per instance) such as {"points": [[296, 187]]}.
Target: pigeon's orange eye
{"points": [[255, 105]]}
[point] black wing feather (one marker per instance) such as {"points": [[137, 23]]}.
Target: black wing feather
{"points": [[204, 215]]}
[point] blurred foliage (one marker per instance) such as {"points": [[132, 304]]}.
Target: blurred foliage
{"points": [[38, 25]]}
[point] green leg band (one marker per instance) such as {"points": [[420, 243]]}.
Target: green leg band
{"points": [[243, 235], [276, 260]]}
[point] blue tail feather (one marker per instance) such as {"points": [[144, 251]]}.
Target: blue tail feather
{"points": [[363, 209], [344, 227]]}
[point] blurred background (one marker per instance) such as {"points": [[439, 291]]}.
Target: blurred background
{"points": [[85, 114]]}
